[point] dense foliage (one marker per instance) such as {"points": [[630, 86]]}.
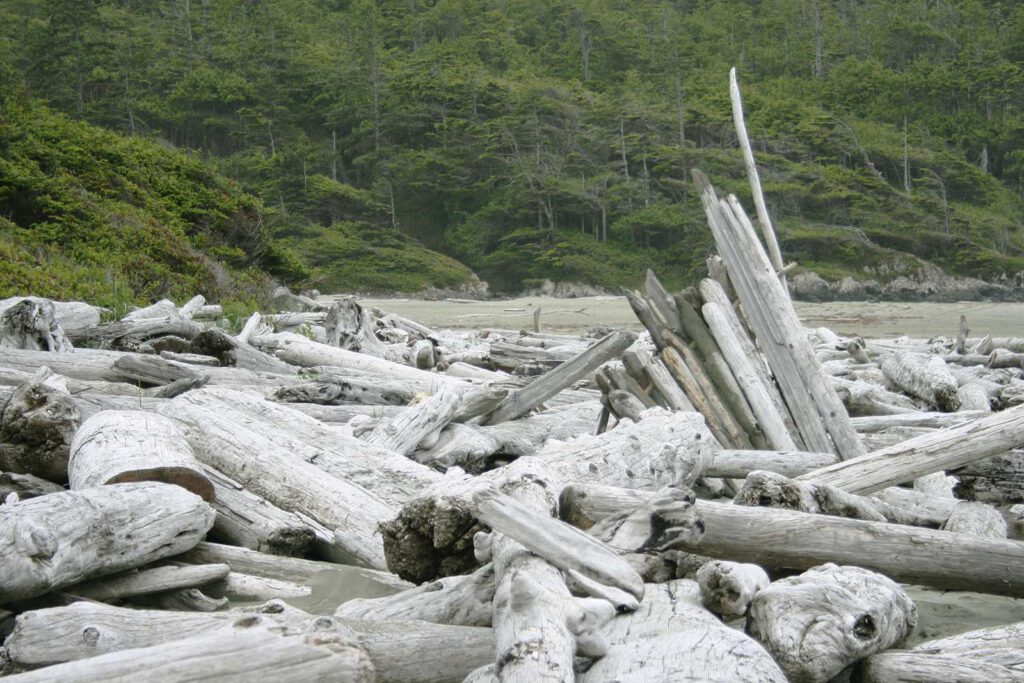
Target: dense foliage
{"points": [[533, 139]]}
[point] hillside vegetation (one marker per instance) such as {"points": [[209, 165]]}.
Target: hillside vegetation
{"points": [[534, 140]]}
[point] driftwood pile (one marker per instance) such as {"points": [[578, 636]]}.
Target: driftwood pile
{"points": [[727, 496]]}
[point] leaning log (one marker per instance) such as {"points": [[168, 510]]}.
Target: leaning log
{"points": [[64, 538], [944, 449], [116, 446]]}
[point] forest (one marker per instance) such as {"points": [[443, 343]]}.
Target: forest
{"points": [[392, 145]]}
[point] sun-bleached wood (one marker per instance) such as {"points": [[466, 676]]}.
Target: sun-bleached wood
{"points": [[235, 653], [64, 538], [672, 638], [924, 376], [916, 667], [818, 623], [150, 580], [688, 372], [736, 464], [943, 449], [977, 519], [405, 431], [727, 588], [32, 323], [541, 389], [117, 446]]}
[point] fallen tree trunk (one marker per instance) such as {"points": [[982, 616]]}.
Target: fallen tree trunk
{"points": [[32, 324], [148, 581], [117, 446], [924, 376], [940, 450], [64, 538], [236, 653]]}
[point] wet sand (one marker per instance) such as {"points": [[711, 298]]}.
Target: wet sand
{"points": [[867, 319]]}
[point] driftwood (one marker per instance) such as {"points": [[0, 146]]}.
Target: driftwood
{"points": [[526, 399], [63, 538], [408, 429], [25, 486], [120, 446], [32, 324], [37, 424], [999, 479], [670, 637], [147, 581], [231, 351], [940, 450], [231, 654], [727, 588], [818, 623], [245, 519], [73, 316], [924, 376]]}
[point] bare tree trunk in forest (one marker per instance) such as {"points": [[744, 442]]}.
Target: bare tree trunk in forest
{"points": [[680, 111], [334, 155], [819, 48], [625, 159], [906, 159]]}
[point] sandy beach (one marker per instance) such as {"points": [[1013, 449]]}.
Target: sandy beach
{"points": [[867, 319]]}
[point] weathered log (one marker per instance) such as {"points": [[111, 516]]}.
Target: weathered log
{"points": [[270, 463], [1001, 358], [245, 519], [293, 569], [532, 395], [650, 526], [116, 446], [231, 654], [673, 397], [924, 376], [37, 424], [815, 408], [940, 450], [868, 399], [404, 432], [73, 316], [401, 651], [688, 372], [191, 359], [876, 423], [625, 405], [672, 638], [661, 302], [128, 330], [996, 480], [64, 538], [642, 310], [962, 667], [818, 623], [464, 600], [249, 588], [233, 352], [735, 464], [350, 327], [977, 519], [32, 324], [331, 387], [184, 600], [147, 581], [727, 588], [972, 396]]}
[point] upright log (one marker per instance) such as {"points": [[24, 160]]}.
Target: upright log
{"points": [[37, 424], [32, 324], [61, 539], [116, 446]]}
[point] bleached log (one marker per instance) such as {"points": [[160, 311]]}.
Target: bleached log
{"points": [[614, 378], [977, 519], [1001, 358], [465, 600], [625, 404], [818, 623], [270, 463], [651, 525], [184, 600], [73, 316], [293, 569], [332, 387], [147, 581], [757, 392], [245, 519], [561, 545], [233, 352], [688, 372], [924, 376], [672, 638], [129, 330], [247, 587], [916, 667], [645, 314], [943, 449], [32, 324], [231, 654], [867, 424], [733, 464], [120, 446], [674, 397], [64, 538], [191, 359], [662, 304], [298, 350], [37, 424], [972, 396], [350, 326], [532, 395], [996, 480], [727, 588], [868, 399], [405, 431]]}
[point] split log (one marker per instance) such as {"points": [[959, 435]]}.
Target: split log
{"points": [[532, 395], [32, 324], [662, 304], [944, 449], [464, 600], [727, 588], [64, 538], [652, 525], [672, 638], [293, 569], [924, 376], [818, 623], [37, 424], [117, 446], [231, 654], [148, 581], [245, 519]]}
